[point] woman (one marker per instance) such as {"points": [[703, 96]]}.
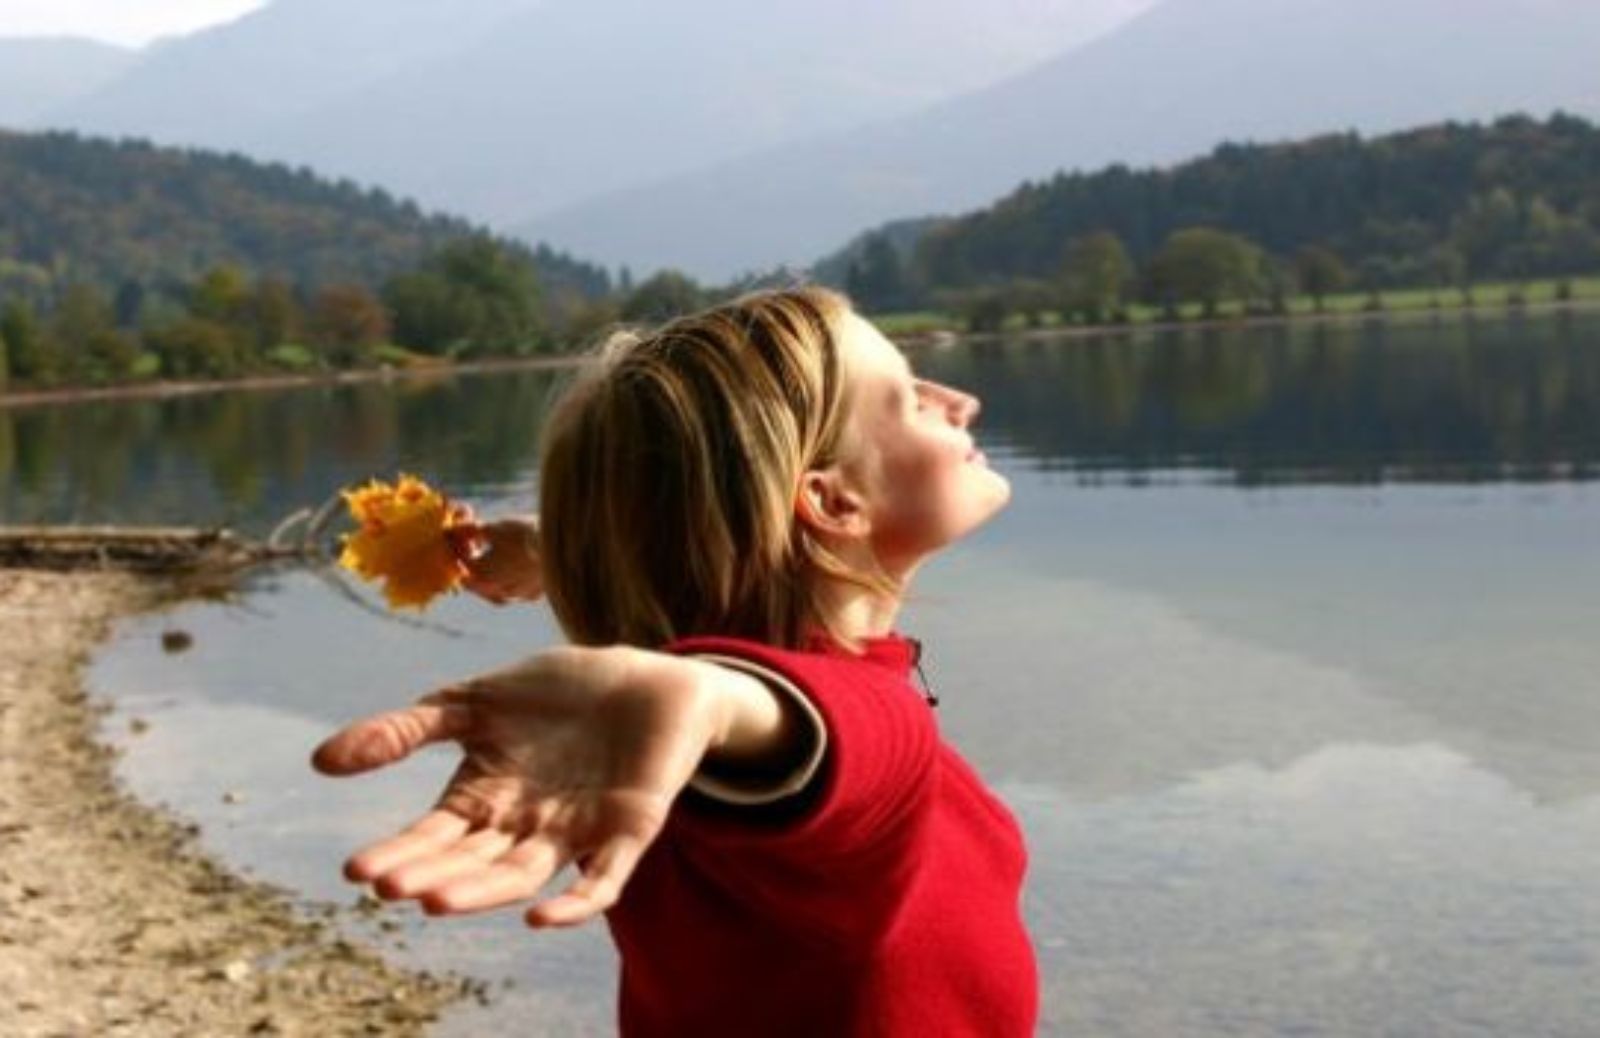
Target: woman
{"points": [[732, 753]]}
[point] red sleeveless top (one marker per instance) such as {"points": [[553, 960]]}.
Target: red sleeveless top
{"points": [[882, 901]]}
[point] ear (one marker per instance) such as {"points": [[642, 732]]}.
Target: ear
{"points": [[827, 506]]}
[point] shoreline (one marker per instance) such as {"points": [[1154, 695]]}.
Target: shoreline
{"points": [[914, 339], [1408, 315], [195, 387], [112, 919]]}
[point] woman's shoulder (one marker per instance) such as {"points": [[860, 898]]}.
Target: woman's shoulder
{"points": [[892, 652]]}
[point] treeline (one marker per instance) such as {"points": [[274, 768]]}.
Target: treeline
{"points": [[1445, 206], [474, 297], [120, 260]]}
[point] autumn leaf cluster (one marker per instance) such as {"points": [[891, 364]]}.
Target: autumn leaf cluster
{"points": [[403, 539]]}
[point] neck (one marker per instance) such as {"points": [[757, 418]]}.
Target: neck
{"points": [[858, 612], [865, 614]]}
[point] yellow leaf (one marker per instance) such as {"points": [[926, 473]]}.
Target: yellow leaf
{"points": [[402, 540]]}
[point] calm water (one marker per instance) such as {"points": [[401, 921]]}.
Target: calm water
{"points": [[1284, 654]]}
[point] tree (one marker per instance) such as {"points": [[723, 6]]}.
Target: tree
{"points": [[1094, 275], [1031, 298], [980, 309], [113, 355], [876, 279], [1319, 272], [473, 296], [30, 356], [194, 347], [430, 315], [1204, 265], [85, 330], [221, 295], [273, 313], [586, 320], [1485, 228], [503, 288], [128, 303], [347, 322], [1375, 274], [1447, 268], [663, 296]]}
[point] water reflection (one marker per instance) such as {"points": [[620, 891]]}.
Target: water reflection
{"points": [[247, 458], [1455, 401], [1151, 632], [1358, 889]]}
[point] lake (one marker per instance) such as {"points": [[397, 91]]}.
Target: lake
{"points": [[1284, 654]]}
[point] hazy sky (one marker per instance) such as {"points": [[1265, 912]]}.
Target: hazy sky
{"points": [[131, 23]]}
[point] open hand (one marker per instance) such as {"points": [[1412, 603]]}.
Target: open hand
{"points": [[572, 757]]}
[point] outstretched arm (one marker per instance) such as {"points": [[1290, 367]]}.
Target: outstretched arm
{"points": [[572, 757]]}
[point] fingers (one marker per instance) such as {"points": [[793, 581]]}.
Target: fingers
{"points": [[487, 589], [599, 886], [386, 738], [451, 872], [420, 874], [518, 875], [431, 834], [466, 540]]}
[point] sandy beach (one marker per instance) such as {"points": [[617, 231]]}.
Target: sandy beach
{"points": [[112, 920]]}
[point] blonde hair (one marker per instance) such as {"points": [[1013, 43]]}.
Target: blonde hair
{"points": [[669, 472]]}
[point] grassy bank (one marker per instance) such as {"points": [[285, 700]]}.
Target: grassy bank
{"points": [[1483, 298]]}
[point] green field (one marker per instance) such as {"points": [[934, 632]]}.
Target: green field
{"points": [[1486, 296]]}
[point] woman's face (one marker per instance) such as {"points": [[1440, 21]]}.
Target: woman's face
{"points": [[909, 453]]}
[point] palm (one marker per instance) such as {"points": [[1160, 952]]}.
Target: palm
{"points": [[568, 759]]}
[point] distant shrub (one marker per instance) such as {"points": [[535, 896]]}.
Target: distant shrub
{"points": [[292, 356], [400, 357], [146, 366]]}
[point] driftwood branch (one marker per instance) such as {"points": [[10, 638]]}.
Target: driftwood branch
{"points": [[189, 551], [166, 549], [150, 549]]}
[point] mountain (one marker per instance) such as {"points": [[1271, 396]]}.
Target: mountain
{"points": [[507, 109], [215, 88], [1166, 85], [117, 214], [38, 74]]}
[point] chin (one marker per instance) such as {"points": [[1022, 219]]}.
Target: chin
{"points": [[995, 495], [998, 487]]}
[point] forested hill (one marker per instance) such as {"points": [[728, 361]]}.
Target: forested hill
{"points": [[115, 214], [1516, 198]]}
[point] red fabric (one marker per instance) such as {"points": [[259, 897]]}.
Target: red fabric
{"points": [[885, 905]]}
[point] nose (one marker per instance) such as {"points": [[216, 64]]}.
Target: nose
{"points": [[962, 407], [969, 406]]}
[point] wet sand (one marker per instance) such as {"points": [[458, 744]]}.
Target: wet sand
{"points": [[112, 920]]}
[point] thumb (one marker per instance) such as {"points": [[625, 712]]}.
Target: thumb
{"points": [[383, 739], [465, 540]]}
